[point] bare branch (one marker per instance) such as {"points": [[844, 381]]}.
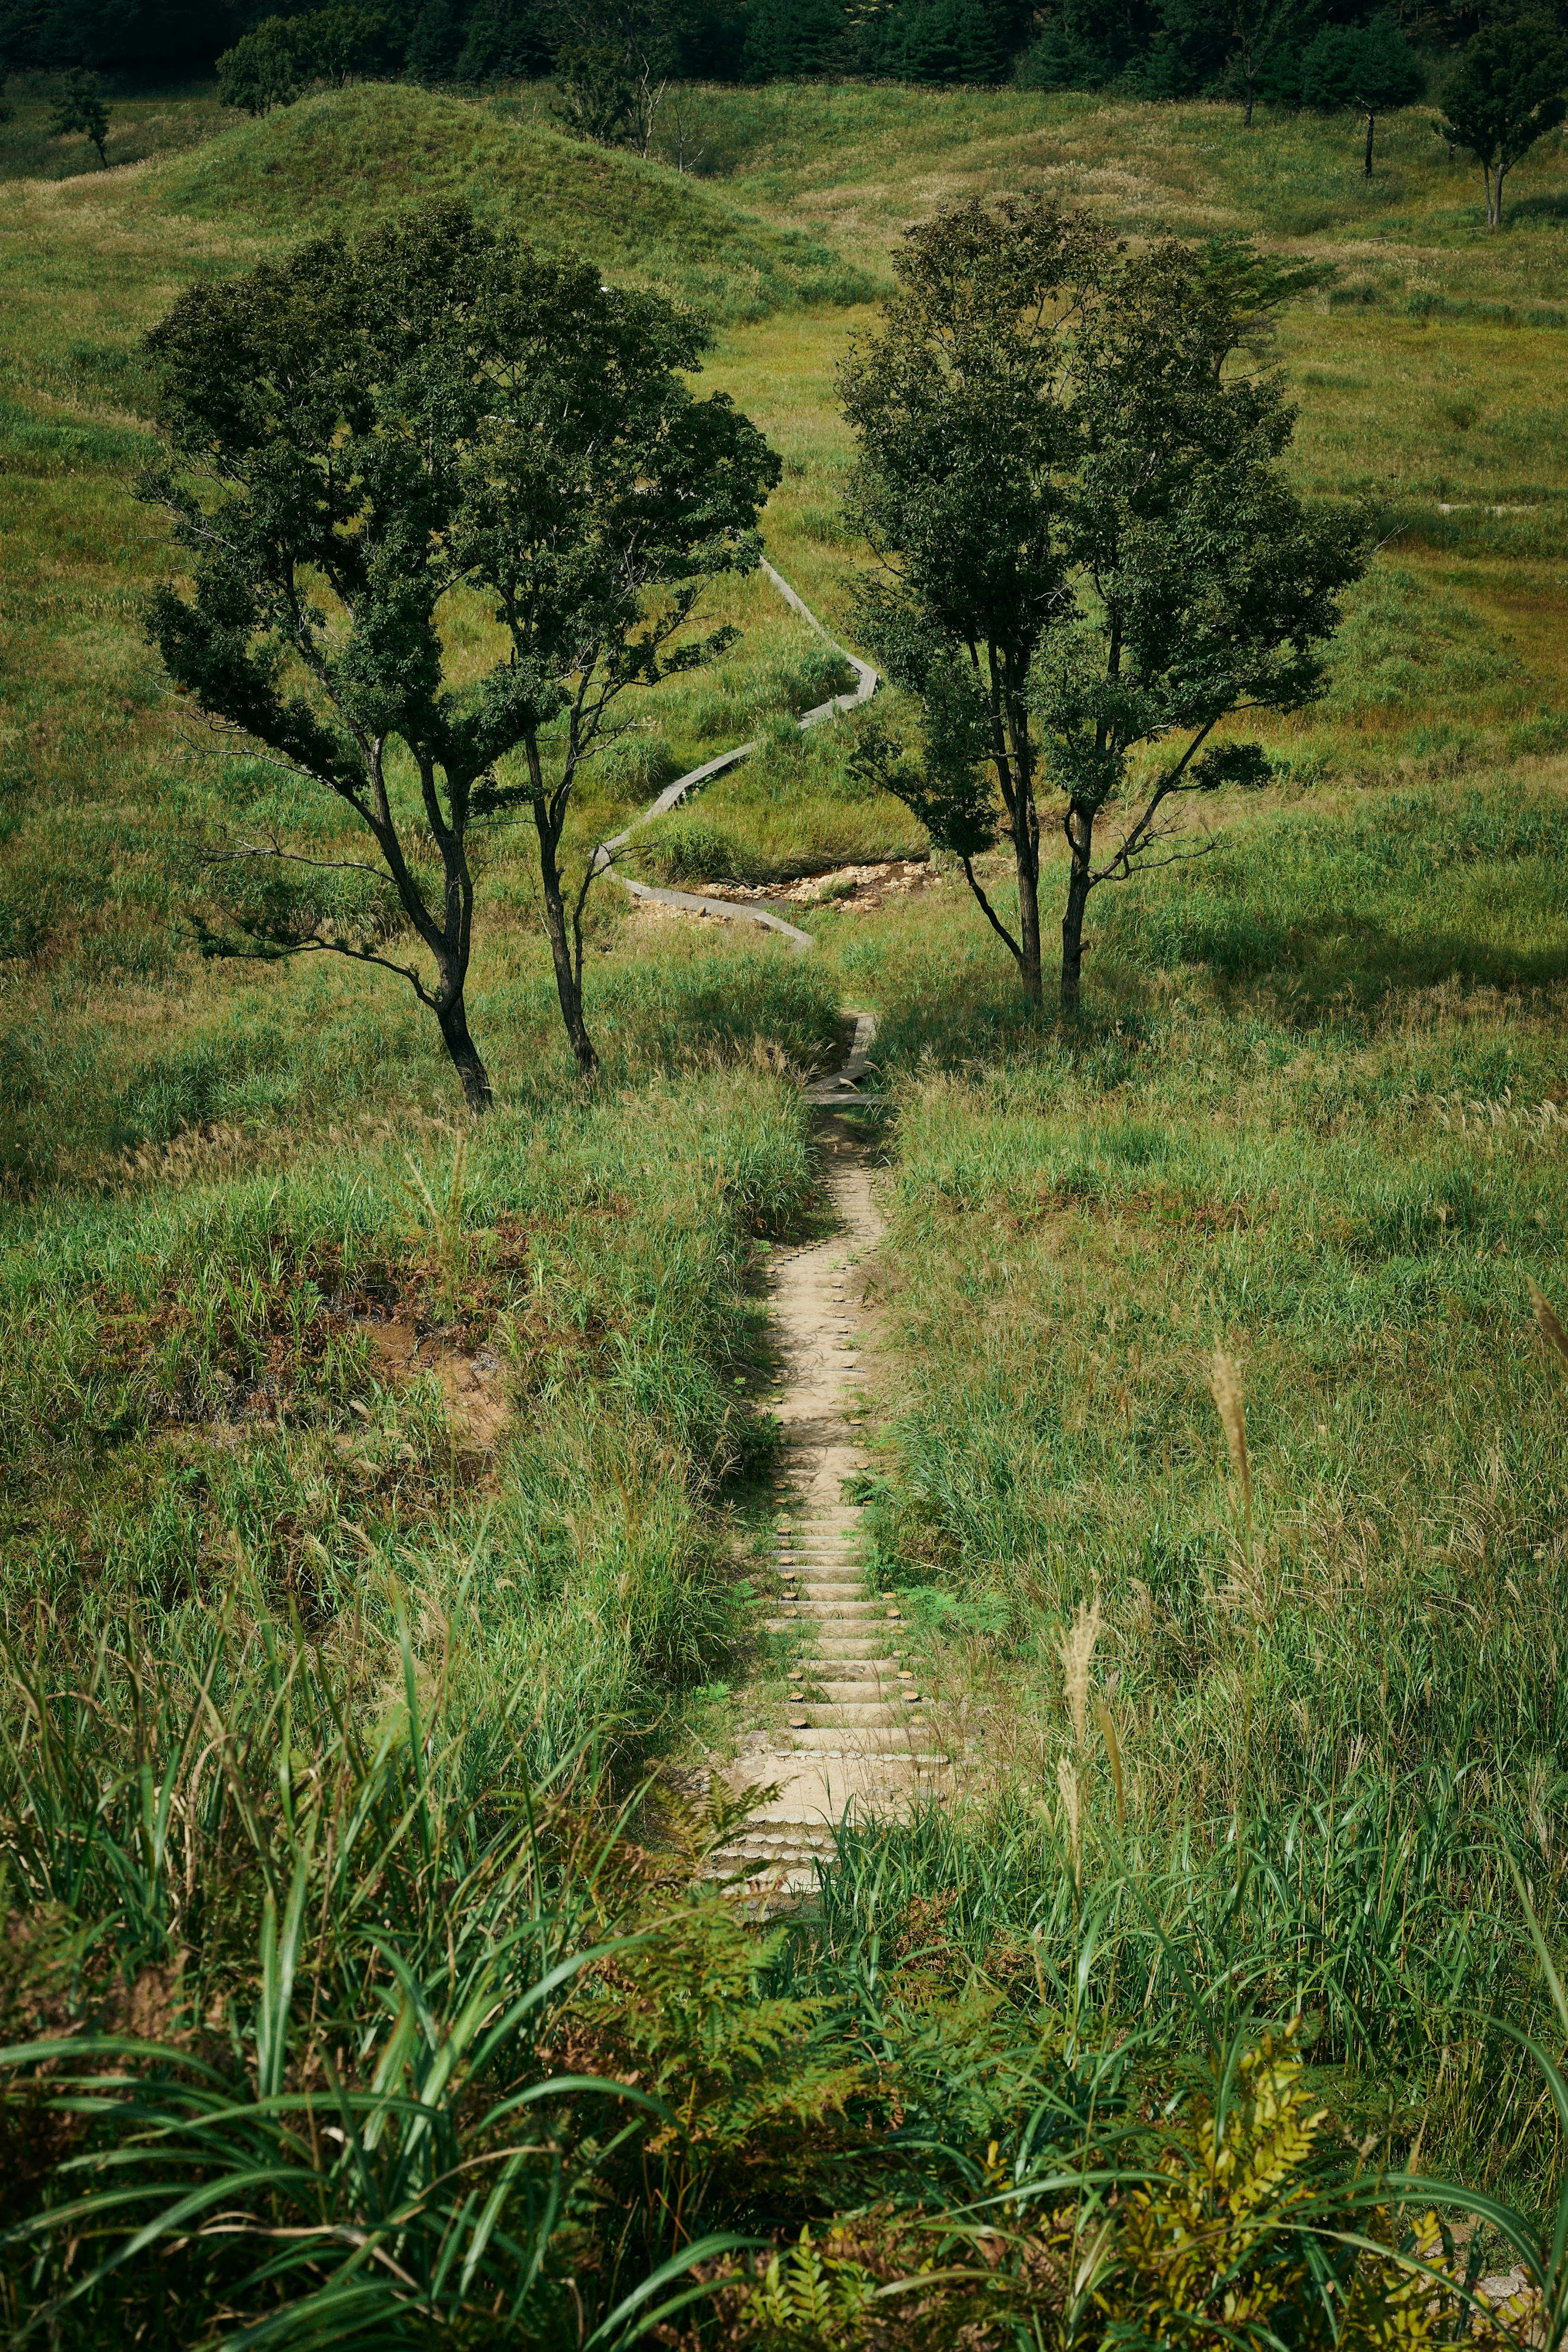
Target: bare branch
{"points": [[1155, 865], [317, 946], [1143, 831], [294, 857], [989, 912]]}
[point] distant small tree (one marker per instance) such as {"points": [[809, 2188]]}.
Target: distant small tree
{"points": [[1371, 68], [1508, 89], [80, 107], [1257, 31], [1086, 543], [597, 98], [443, 502]]}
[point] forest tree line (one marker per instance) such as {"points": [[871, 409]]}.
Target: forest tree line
{"points": [[1151, 49]]}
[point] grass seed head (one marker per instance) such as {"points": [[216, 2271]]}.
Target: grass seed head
{"points": [[1225, 1388], [1077, 1648]]}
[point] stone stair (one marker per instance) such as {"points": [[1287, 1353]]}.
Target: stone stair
{"points": [[853, 1739]]}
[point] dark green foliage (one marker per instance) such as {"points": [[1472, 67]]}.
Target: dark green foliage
{"points": [[964, 439], [434, 415], [793, 38], [1371, 68], [596, 96], [506, 39], [285, 54], [265, 69], [946, 42], [1203, 584], [116, 35], [80, 107], [1086, 541], [1510, 88]]}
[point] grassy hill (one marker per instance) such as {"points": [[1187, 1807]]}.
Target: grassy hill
{"points": [[351, 156], [1313, 1115]]}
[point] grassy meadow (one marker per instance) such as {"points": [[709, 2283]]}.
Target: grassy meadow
{"points": [[383, 1500]]}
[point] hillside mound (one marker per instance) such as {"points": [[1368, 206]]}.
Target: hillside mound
{"points": [[350, 156]]}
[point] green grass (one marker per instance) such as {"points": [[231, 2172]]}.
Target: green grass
{"points": [[142, 125], [1302, 1119], [349, 156]]}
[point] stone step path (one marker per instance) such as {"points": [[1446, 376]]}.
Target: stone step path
{"points": [[855, 1738]]}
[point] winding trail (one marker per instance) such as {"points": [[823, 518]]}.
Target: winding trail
{"points": [[727, 909], [855, 1738]]}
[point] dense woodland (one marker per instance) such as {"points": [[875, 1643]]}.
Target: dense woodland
{"points": [[1143, 48]]}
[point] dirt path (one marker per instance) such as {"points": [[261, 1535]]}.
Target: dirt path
{"points": [[854, 1737]]}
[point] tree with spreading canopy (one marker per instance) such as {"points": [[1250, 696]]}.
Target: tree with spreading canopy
{"points": [[443, 502], [278, 60], [1508, 89], [1369, 68], [1086, 547], [80, 107]]}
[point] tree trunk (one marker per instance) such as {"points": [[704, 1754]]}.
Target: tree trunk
{"points": [[471, 1070], [1371, 122], [566, 980], [1494, 200], [1080, 835], [1026, 856], [1247, 118]]}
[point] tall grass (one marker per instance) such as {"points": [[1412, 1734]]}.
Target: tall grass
{"points": [[326, 2024]]}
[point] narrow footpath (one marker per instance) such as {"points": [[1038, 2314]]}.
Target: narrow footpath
{"points": [[855, 1738]]}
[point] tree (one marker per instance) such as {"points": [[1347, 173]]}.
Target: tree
{"points": [[792, 39], [598, 98], [948, 41], [1259, 30], [960, 413], [443, 502], [273, 64], [340, 43], [1371, 67], [267, 69], [1086, 543], [506, 39], [1506, 92], [1201, 585], [616, 63], [80, 107]]}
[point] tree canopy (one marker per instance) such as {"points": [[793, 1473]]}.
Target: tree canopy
{"points": [[1508, 89], [284, 55], [960, 413], [1370, 67], [1086, 546], [443, 502]]}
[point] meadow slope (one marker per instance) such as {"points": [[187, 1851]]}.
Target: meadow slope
{"points": [[1315, 1116]]}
